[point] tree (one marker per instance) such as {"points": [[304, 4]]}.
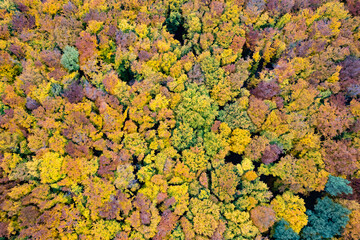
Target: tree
{"points": [[195, 158], [104, 229], [239, 223], [196, 108], [8, 67], [339, 157], [326, 220], [300, 175], [337, 185], [239, 140], [348, 74], [252, 194], [354, 183], [256, 148], [183, 137], [271, 154], [74, 93], [263, 217], [257, 111], [333, 118], [352, 229], [10, 161], [282, 231], [23, 21], [167, 224], [50, 165], [292, 209], [124, 177], [235, 115], [70, 58], [86, 44], [174, 22], [56, 222], [353, 6], [96, 194], [224, 182], [204, 216], [266, 90]]}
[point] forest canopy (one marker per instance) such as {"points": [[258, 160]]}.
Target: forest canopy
{"points": [[180, 119]]}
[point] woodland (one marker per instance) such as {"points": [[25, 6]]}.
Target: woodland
{"points": [[180, 119]]}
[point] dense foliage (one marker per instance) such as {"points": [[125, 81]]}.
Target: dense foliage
{"points": [[337, 185], [70, 58], [326, 220], [180, 119]]}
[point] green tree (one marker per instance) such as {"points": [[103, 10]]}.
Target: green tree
{"points": [[197, 108], [326, 221], [337, 185], [70, 58], [284, 232]]}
